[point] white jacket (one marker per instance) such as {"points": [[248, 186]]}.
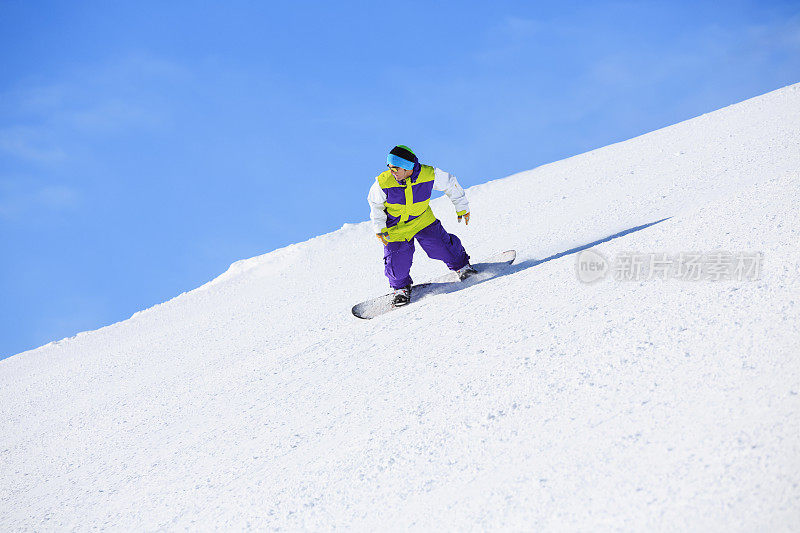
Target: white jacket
{"points": [[442, 181]]}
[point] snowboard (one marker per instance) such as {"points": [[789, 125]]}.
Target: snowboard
{"points": [[485, 270]]}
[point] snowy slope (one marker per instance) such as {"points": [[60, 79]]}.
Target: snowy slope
{"points": [[532, 401]]}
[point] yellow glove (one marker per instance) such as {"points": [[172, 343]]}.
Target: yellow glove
{"points": [[384, 237], [464, 214]]}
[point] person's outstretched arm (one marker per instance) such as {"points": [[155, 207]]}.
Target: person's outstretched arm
{"points": [[447, 183], [377, 213]]}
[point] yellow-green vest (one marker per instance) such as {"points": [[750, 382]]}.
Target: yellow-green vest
{"points": [[407, 204]]}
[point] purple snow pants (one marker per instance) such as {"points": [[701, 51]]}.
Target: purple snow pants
{"points": [[436, 242]]}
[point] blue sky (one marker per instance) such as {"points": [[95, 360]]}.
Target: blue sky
{"points": [[145, 146]]}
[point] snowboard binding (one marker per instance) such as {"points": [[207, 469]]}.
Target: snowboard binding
{"points": [[402, 296]]}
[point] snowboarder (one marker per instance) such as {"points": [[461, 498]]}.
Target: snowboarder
{"points": [[400, 213]]}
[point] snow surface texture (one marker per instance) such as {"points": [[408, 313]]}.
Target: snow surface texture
{"points": [[532, 401]]}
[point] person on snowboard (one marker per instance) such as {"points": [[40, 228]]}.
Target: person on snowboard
{"points": [[400, 213]]}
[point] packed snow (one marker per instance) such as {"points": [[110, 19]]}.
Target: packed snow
{"points": [[531, 401]]}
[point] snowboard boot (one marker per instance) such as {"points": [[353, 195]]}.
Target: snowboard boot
{"points": [[465, 272], [402, 296]]}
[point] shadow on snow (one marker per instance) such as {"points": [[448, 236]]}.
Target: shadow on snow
{"points": [[488, 271]]}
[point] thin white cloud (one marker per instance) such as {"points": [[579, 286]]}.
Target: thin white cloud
{"points": [[508, 38], [30, 144], [20, 200], [784, 35], [42, 121], [110, 117]]}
